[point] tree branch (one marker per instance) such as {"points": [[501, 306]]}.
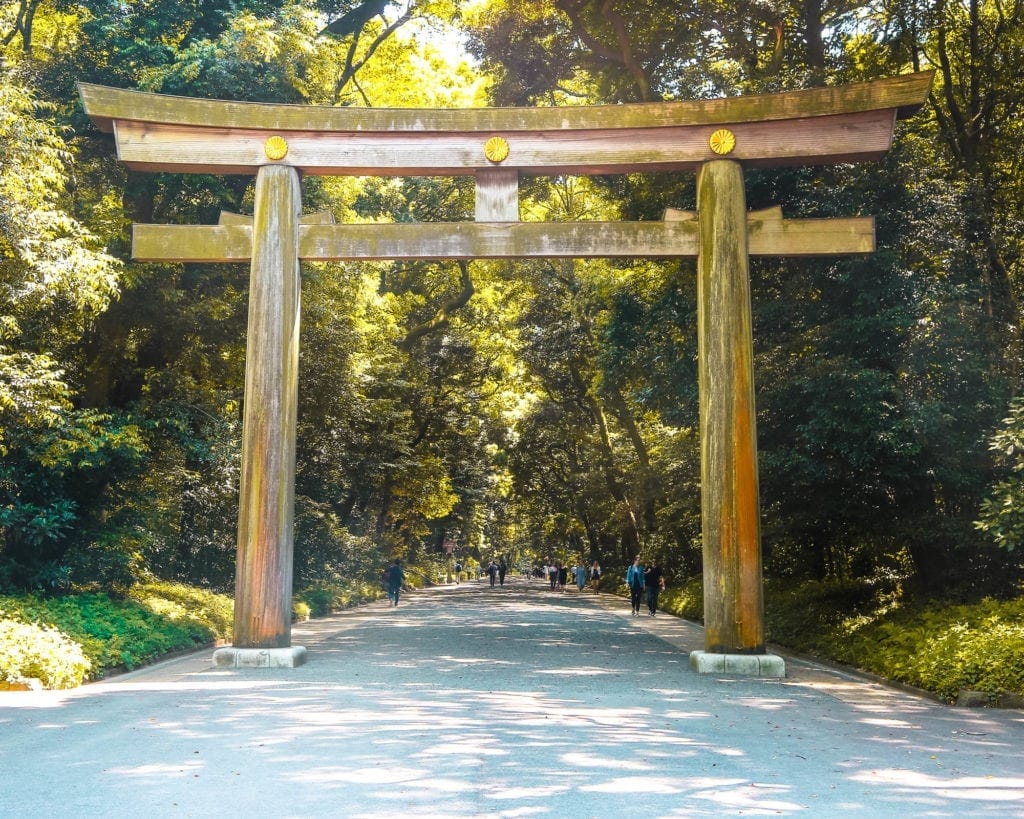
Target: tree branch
{"points": [[442, 318]]}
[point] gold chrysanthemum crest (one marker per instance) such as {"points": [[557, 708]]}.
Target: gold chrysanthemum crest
{"points": [[276, 148], [722, 141], [496, 149]]}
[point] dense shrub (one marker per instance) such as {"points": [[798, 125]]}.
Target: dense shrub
{"points": [[812, 615], [211, 612], [324, 598], [685, 600], [947, 649], [124, 633], [29, 651], [939, 648]]}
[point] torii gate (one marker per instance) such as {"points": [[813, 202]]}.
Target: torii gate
{"points": [[716, 138]]}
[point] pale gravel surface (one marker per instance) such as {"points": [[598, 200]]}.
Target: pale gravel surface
{"points": [[466, 701]]}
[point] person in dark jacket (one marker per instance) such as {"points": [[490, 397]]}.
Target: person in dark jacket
{"points": [[396, 577], [654, 583]]}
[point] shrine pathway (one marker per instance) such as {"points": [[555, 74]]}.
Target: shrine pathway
{"points": [[515, 702]]}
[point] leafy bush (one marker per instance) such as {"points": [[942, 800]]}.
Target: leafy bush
{"points": [[206, 610], [942, 648], [115, 633], [324, 598], [37, 652], [813, 615], [686, 600]]}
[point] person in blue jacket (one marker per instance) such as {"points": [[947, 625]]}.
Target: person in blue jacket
{"points": [[635, 581]]}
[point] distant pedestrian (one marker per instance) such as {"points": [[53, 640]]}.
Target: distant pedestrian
{"points": [[581, 576], [563, 576], [552, 571], [458, 573], [654, 582], [635, 581], [502, 570], [396, 577], [595, 575]]}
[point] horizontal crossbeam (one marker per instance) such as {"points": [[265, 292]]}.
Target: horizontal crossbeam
{"points": [[850, 123], [768, 235], [858, 137]]}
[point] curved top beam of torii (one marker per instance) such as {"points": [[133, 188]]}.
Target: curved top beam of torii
{"points": [[847, 123], [497, 146]]}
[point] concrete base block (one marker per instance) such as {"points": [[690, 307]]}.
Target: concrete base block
{"points": [[972, 699], [231, 657], [746, 665]]}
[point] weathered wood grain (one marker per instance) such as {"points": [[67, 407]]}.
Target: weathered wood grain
{"points": [[106, 105], [497, 240], [859, 136], [263, 582], [733, 603], [497, 195]]}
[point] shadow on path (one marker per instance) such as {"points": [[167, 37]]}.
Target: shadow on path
{"points": [[471, 701]]}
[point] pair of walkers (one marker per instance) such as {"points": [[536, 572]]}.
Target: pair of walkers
{"points": [[497, 571], [641, 580]]}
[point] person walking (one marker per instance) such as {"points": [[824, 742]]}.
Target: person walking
{"points": [[595, 575], [580, 572], [635, 581], [458, 573], [502, 570], [654, 582], [492, 572], [396, 577], [552, 571]]}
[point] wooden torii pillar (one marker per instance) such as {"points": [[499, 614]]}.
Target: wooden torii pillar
{"points": [[714, 138]]}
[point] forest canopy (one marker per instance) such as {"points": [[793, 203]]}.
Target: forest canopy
{"points": [[529, 409]]}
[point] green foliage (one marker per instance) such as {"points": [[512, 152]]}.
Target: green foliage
{"points": [[209, 612], [324, 598], [685, 599], [47, 257], [527, 406], [29, 651], [301, 611], [1002, 514], [125, 633], [812, 615], [943, 649], [54, 484], [939, 648]]}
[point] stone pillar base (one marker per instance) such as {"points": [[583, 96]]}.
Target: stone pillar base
{"points": [[747, 665], [231, 657]]}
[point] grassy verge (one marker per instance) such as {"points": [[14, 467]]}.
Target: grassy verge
{"points": [[64, 641], [108, 632], [941, 648]]}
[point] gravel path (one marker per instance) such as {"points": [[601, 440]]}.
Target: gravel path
{"points": [[515, 702]]}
